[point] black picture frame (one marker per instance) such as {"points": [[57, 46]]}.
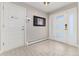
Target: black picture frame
{"points": [[39, 21]]}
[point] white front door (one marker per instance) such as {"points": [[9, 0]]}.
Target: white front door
{"points": [[64, 26], [59, 22], [14, 23]]}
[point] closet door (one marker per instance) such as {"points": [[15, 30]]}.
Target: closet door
{"points": [[59, 22], [14, 23], [72, 26]]}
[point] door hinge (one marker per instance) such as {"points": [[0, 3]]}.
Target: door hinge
{"points": [[3, 7], [3, 26], [3, 43]]}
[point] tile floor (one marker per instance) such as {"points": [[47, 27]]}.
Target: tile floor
{"points": [[44, 48]]}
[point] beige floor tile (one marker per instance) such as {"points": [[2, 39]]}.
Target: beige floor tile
{"points": [[44, 48]]}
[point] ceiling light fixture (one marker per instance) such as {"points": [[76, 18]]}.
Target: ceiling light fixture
{"points": [[46, 3]]}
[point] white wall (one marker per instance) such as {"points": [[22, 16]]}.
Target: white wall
{"points": [[0, 26], [35, 33], [78, 24], [51, 26]]}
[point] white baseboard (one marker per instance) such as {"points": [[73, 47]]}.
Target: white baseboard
{"points": [[65, 43], [29, 43]]}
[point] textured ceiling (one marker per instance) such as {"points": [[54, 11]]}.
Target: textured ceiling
{"points": [[51, 7]]}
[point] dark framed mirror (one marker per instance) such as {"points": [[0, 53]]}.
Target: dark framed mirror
{"points": [[39, 21]]}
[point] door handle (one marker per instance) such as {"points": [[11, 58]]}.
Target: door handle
{"points": [[65, 26], [22, 29]]}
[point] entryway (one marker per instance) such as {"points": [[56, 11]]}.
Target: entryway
{"points": [[63, 26]]}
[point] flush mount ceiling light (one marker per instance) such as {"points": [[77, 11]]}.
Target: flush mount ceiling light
{"points": [[46, 3]]}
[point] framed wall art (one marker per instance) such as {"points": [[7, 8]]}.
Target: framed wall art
{"points": [[39, 21]]}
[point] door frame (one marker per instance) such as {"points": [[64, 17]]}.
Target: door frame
{"points": [[3, 26]]}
